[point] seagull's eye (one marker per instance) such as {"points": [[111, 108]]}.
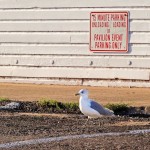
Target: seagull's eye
{"points": [[82, 92]]}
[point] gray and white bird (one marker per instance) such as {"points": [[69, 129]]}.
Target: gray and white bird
{"points": [[91, 108]]}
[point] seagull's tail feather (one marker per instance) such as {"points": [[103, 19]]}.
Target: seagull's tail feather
{"points": [[109, 112]]}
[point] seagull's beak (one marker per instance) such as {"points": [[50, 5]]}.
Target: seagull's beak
{"points": [[77, 94]]}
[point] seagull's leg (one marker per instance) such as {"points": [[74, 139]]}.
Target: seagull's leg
{"points": [[89, 117], [100, 123], [87, 120]]}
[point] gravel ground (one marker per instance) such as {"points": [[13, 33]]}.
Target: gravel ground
{"points": [[18, 126], [128, 142]]}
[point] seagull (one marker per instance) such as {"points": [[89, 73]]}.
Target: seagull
{"points": [[91, 108]]}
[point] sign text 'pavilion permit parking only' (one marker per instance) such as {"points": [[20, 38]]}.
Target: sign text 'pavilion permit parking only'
{"points": [[109, 31]]}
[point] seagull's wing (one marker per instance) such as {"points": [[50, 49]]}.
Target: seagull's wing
{"points": [[96, 106]]}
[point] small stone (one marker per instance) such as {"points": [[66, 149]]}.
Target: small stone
{"points": [[12, 105], [147, 110]]}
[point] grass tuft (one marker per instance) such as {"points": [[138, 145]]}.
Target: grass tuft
{"points": [[49, 103], [118, 108], [71, 106], [53, 104], [2, 99]]}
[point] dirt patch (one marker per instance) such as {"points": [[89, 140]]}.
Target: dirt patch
{"points": [[104, 95], [34, 114], [16, 127], [131, 123]]}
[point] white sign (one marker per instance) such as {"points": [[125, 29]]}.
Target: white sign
{"points": [[109, 31]]}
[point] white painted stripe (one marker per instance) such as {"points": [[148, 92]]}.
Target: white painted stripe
{"points": [[61, 26], [71, 4], [67, 49], [74, 61], [58, 37], [56, 139], [76, 73], [66, 14]]}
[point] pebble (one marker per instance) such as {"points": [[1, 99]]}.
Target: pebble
{"points": [[11, 106]]}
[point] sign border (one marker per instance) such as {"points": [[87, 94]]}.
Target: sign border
{"points": [[127, 33]]}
